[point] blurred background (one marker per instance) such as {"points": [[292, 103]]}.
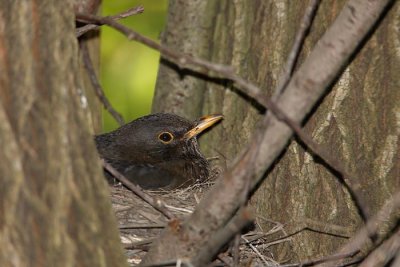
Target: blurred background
{"points": [[128, 69]]}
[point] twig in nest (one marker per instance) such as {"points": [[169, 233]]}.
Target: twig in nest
{"points": [[138, 226], [184, 210], [259, 254], [130, 12], [155, 203], [96, 85], [143, 244]]}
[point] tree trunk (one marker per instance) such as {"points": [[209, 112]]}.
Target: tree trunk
{"points": [[55, 208], [358, 122]]}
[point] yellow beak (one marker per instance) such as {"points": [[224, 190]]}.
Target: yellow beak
{"points": [[202, 124]]}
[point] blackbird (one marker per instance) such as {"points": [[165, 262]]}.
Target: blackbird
{"points": [[158, 151]]}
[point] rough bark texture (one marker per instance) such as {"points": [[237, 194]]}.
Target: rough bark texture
{"points": [[358, 121], [55, 208]]}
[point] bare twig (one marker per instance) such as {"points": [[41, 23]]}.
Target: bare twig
{"points": [[138, 226], [301, 34], [321, 227], [155, 203], [130, 12], [96, 85], [183, 210]]}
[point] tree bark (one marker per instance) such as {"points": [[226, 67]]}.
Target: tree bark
{"points": [[92, 41], [55, 208], [357, 122]]}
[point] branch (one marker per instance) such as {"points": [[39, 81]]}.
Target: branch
{"points": [[96, 85], [89, 27], [296, 48]]}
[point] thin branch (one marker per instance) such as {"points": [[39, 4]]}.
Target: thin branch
{"points": [[296, 48], [321, 227], [155, 203], [89, 27], [96, 85]]}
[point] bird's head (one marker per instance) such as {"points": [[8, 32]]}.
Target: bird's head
{"points": [[158, 137]]}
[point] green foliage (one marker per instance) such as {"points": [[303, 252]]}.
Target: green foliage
{"points": [[129, 69]]}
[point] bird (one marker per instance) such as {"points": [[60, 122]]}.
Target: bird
{"points": [[158, 151]]}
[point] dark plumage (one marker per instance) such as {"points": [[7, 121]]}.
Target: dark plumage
{"points": [[158, 150]]}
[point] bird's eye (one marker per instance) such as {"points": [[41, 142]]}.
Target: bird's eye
{"points": [[165, 137]]}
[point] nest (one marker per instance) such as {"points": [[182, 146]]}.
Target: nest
{"points": [[140, 224]]}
